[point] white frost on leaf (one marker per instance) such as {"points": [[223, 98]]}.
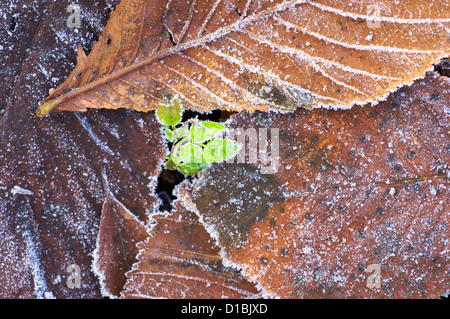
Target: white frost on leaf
{"points": [[21, 191]]}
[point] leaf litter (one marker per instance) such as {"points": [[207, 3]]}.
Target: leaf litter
{"points": [[373, 191], [51, 171]]}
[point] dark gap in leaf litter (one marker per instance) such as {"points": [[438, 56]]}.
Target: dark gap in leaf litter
{"points": [[13, 24], [443, 67], [171, 36], [169, 179]]}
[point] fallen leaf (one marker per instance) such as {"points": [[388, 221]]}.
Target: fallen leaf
{"points": [[116, 250], [180, 260], [255, 55], [359, 191]]}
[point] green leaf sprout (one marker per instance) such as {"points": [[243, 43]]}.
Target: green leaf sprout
{"points": [[195, 144], [170, 115]]}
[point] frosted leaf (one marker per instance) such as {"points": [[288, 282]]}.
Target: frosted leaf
{"points": [[256, 55], [355, 191], [180, 260]]}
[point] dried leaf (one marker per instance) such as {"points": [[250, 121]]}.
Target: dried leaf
{"points": [[180, 260], [357, 190], [116, 250], [255, 55]]}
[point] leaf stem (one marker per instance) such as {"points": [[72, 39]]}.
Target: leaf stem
{"points": [[48, 107]]}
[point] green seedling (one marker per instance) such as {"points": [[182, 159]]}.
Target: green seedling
{"points": [[195, 144]]}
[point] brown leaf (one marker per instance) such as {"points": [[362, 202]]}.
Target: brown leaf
{"points": [[116, 250], [180, 260], [360, 189], [51, 170], [255, 55]]}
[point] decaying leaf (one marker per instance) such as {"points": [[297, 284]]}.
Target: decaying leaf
{"points": [[180, 260], [255, 55], [361, 192], [116, 250]]}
